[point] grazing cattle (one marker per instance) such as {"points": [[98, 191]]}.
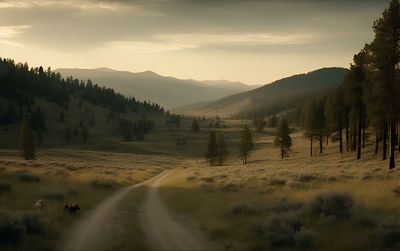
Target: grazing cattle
{"points": [[71, 207], [38, 204]]}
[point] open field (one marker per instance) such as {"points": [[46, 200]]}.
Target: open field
{"points": [[243, 202], [59, 176]]}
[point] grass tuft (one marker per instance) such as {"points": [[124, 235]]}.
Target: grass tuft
{"points": [[103, 183], [5, 187], [28, 177]]}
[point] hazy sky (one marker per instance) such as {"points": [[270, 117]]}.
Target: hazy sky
{"points": [[252, 41]]}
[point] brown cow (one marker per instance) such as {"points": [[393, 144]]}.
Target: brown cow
{"points": [[71, 207]]}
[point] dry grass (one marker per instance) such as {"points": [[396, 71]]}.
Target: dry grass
{"points": [[266, 180]]}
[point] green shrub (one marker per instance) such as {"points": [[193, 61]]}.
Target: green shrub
{"points": [[243, 208], [337, 204], [103, 183], [277, 182], [5, 187], [35, 222], [306, 178], [12, 229], [280, 237], [285, 205], [28, 177]]}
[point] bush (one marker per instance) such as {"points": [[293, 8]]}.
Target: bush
{"points": [[337, 204], [306, 239], [281, 237], [5, 187], [231, 187], [277, 182], [12, 229], [28, 177], [54, 194], [243, 208], [208, 179], [285, 205], [103, 183], [306, 178], [35, 222]]}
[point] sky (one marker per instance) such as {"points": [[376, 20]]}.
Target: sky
{"points": [[252, 41]]}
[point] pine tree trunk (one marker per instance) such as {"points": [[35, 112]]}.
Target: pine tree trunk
{"points": [[354, 136], [364, 136], [282, 150], [327, 140], [359, 137], [392, 163], [311, 141], [376, 142], [320, 142], [347, 137], [340, 141], [384, 144]]}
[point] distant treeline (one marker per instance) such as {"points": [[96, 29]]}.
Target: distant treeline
{"points": [[23, 84]]}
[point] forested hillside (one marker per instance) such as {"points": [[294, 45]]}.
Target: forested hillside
{"points": [[64, 110], [283, 89]]}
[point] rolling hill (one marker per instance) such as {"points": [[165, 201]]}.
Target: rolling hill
{"points": [[268, 94], [167, 91]]}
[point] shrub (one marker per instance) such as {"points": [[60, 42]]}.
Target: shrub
{"points": [[54, 194], [306, 239], [12, 229], [190, 178], [230, 187], [337, 204], [281, 237], [5, 187], [208, 179], [396, 190], [243, 208], [28, 177], [306, 178], [285, 205], [277, 182], [35, 222], [103, 183]]}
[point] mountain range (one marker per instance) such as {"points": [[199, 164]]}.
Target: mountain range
{"points": [[169, 92]]}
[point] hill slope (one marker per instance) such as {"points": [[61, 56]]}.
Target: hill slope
{"points": [[268, 94], [166, 91]]}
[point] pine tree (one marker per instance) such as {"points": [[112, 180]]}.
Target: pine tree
{"points": [[222, 151], [283, 140], [212, 149], [85, 133], [195, 126], [26, 140], [385, 52], [67, 135], [245, 144]]}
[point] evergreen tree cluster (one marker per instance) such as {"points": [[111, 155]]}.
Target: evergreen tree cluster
{"points": [[134, 130], [22, 84], [369, 96], [217, 150]]}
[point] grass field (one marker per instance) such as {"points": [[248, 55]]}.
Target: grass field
{"points": [[257, 204], [267, 204]]}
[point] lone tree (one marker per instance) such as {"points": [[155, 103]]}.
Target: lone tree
{"points": [[245, 144], [283, 139], [222, 150], [67, 135], [212, 149], [26, 140], [195, 126]]}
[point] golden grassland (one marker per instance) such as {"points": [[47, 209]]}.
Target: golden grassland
{"points": [[210, 194]]}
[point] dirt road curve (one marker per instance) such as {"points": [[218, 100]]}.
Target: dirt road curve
{"points": [[96, 231], [165, 233]]}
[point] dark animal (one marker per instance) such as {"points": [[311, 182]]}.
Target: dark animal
{"points": [[71, 207]]}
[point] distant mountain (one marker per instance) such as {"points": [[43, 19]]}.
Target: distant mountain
{"points": [[166, 91], [269, 93]]}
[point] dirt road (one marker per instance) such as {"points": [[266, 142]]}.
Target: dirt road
{"points": [[99, 229], [96, 231], [163, 232]]}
